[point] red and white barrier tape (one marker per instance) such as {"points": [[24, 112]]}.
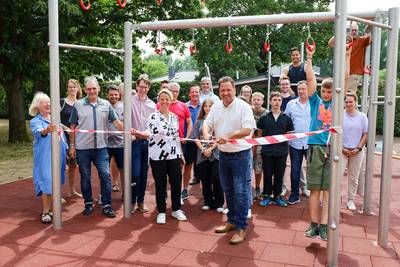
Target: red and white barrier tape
{"points": [[265, 140]]}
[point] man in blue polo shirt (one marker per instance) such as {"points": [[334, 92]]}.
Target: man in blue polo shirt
{"points": [[93, 113], [190, 148]]}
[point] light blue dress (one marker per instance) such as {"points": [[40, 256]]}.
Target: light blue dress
{"points": [[42, 178]]}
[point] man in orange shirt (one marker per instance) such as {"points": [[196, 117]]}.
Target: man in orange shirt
{"points": [[360, 43]]}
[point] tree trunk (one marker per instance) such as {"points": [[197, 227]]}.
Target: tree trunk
{"points": [[17, 127]]}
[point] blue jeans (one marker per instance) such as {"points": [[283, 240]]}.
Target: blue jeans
{"points": [[235, 174], [140, 166], [296, 160], [99, 157]]}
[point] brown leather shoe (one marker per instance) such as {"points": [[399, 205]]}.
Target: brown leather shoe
{"points": [[225, 228], [142, 207], [239, 237]]}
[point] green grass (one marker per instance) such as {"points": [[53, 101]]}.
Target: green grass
{"points": [[13, 151]]}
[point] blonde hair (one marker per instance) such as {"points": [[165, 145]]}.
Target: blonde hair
{"points": [[258, 94], [165, 91], [78, 85], [37, 99]]}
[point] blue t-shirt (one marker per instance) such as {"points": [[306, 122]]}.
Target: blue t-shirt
{"points": [[321, 118]]}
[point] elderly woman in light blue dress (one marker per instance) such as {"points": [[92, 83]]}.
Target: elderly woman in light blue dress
{"points": [[41, 129]]}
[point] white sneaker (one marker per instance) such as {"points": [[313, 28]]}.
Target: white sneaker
{"points": [[220, 209], [305, 192], [350, 205], [225, 211], [205, 207], [161, 218], [179, 215], [249, 215]]}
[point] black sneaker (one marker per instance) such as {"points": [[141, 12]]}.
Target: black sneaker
{"points": [[323, 232], [109, 212], [312, 230], [88, 209], [194, 181]]}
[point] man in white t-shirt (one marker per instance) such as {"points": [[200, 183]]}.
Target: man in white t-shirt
{"points": [[232, 118]]}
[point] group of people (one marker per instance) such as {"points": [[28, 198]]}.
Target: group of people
{"points": [[177, 139]]}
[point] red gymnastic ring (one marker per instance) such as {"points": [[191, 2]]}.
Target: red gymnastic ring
{"points": [[86, 8]]}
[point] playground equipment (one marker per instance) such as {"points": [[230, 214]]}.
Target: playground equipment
{"points": [[340, 17]]}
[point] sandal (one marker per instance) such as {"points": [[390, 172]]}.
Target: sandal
{"points": [[46, 218], [115, 188]]}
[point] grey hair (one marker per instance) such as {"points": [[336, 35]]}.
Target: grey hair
{"points": [[37, 99], [92, 79], [174, 84], [205, 78]]}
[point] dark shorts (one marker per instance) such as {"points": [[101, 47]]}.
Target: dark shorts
{"points": [[118, 154], [318, 168], [190, 152]]}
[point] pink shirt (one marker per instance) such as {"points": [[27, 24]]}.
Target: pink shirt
{"points": [[141, 110], [181, 110]]}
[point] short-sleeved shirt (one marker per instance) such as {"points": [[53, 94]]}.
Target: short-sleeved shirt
{"points": [[296, 74], [269, 126], [164, 143], [182, 112], [116, 140], [223, 120], [88, 116], [258, 115], [286, 100], [354, 126], [300, 115], [198, 134], [194, 112], [140, 112], [211, 96], [358, 54], [321, 119]]}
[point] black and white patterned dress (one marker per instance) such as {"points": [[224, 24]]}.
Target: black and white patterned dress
{"points": [[164, 141]]}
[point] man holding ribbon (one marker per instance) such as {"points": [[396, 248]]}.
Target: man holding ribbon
{"points": [[232, 118], [93, 113]]}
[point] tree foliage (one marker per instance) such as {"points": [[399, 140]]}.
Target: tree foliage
{"points": [[24, 52], [247, 56]]}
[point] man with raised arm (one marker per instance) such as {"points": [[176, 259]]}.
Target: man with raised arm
{"points": [[318, 172], [295, 72], [357, 58]]}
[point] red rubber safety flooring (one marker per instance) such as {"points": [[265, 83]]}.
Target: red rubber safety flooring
{"points": [[275, 236]]}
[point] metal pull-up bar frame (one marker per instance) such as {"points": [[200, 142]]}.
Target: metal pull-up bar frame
{"points": [[339, 16]]}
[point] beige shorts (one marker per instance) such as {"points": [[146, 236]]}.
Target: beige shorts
{"points": [[257, 161], [355, 80]]}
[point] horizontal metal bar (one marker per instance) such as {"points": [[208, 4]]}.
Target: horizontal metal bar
{"points": [[369, 22], [92, 48], [244, 20], [382, 96], [379, 103]]}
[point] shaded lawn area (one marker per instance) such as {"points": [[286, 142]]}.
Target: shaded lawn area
{"points": [[15, 159]]}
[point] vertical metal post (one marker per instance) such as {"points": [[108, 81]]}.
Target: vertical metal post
{"points": [[388, 126], [339, 68], [269, 77], [364, 100], [364, 108], [55, 111], [372, 112], [127, 118], [302, 51]]}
